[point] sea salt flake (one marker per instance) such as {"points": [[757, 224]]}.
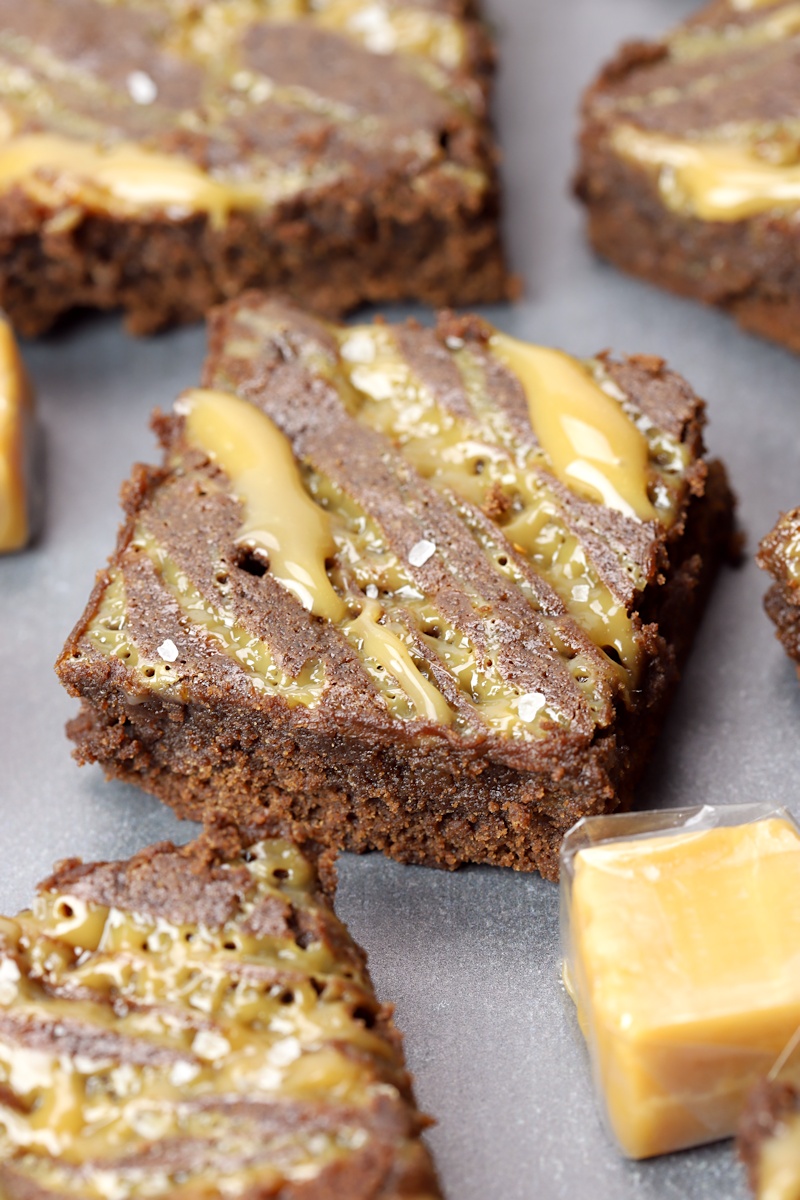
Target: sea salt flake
{"points": [[530, 705], [168, 651], [371, 591], [420, 552], [359, 347], [210, 1045], [141, 88]]}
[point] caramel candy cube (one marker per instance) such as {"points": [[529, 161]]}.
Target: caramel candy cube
{"points": [[683, 956]]}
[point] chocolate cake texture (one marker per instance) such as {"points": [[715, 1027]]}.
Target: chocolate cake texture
{"points": [[160, 156], [779, 554], [690, 162], [197, 1022], [426, 591]]}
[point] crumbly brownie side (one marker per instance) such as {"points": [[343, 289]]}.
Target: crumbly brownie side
{"points": [[770, 1107], [203, 1019], [355, 768], [341, 169], [779, 554], [726, 77]]}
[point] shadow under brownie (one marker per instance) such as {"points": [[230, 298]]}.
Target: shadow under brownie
{"points": [[161, 157], [423, 591]]}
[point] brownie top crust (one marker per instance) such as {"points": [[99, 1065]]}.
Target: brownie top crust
{"points": [[140, 107], [402, 533], [711, 112], [196, 1022]]}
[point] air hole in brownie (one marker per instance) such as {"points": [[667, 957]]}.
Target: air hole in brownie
{"points": [[76, 654], [253, 565], [433, 631], [488, 662], [286, 997], [280, 873], [188, 937], [64, 909], [230, 945], [478, 466], [304, 940], [125, 654], [502, 561], [248, 856], [364, 1015], [444, 139], [317, 985], [612, 653], [149, 672], [221, 576]]}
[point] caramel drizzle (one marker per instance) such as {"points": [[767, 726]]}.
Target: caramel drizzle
{"points": [[16, 432], [226, 1015], [329, 553], [78, 162], [471, 457], [730, 173]]}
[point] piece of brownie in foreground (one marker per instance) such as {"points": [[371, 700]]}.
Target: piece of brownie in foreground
{"points": [[159, 156], [197, 1022], [419, 590], [690, 162], [779, 553], [769, 1140]]}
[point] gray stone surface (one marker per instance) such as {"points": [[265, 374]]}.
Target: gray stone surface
{"points": [[471, 959]]}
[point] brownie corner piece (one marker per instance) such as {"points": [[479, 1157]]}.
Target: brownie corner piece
{"points": [[197, 1021], [387, 588], [164, 157], [779, 555], [689, 163]]}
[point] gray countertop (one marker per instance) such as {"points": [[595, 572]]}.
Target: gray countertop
{"points": [[471, 959]]}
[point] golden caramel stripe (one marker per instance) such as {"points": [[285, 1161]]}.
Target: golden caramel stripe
{"points": [[16, 433], [699, 43], [715, 181], [294, 533], [592, 445]]}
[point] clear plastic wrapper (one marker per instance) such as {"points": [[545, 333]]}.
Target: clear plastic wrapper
{"points": [[682, 952]]}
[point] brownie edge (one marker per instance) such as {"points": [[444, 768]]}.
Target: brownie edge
{"points": [[779, 555]]}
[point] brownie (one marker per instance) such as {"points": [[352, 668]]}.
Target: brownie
{"points": [[779, 553], [160, 157], [197, 1022], [769, 1139], [690, 162], [420, 590]]}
